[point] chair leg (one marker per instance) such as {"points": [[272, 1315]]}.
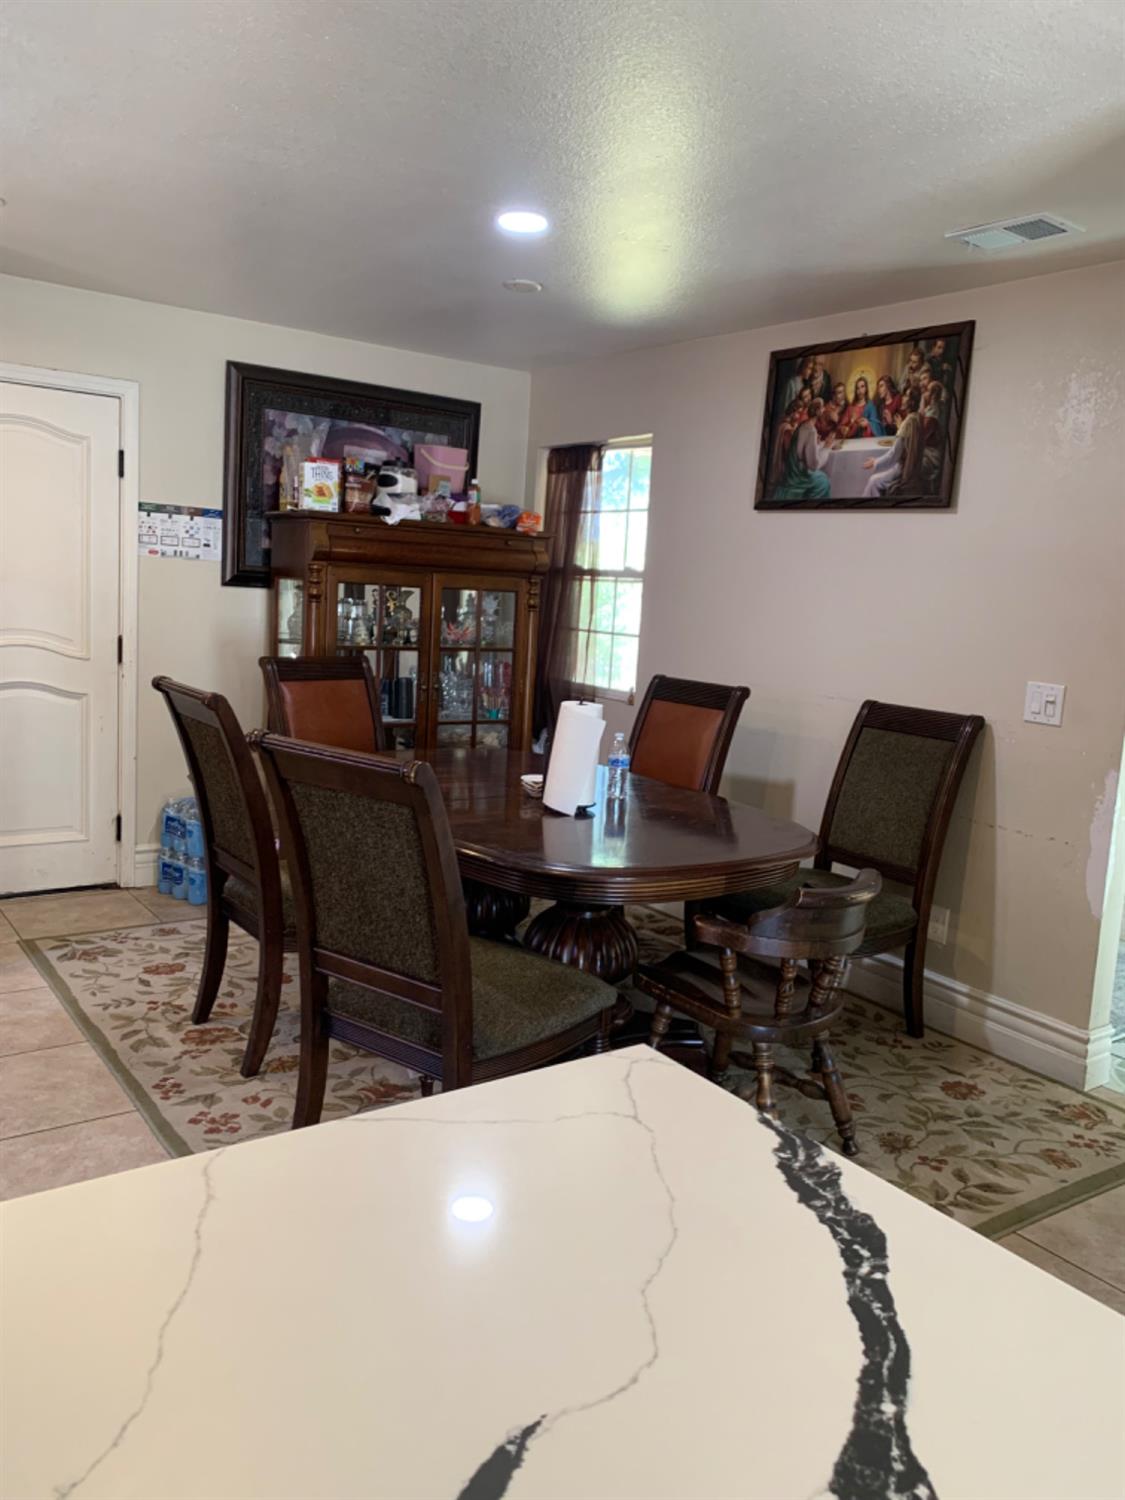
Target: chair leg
{"points": [[313, 1076], [763, 1062], [720, 1056], [214, 962], [661, 1020], [825, 1064], [913, 978], [271, 960]]}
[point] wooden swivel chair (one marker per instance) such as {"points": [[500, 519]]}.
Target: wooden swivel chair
{"points": [[387, 962], [746, 983], [889, 808], [245, 882], [328, 700]]}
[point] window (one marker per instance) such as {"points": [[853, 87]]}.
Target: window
{"points": [[610, 558]]}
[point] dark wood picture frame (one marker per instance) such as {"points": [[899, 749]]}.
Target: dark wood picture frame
{"points": [[254, 389], [916, 495]]}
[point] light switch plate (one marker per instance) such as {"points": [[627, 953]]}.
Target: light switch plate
{"points": [[1043, 703], [939, 924]]}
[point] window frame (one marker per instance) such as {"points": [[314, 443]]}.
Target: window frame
{"points": [[625, 574]]}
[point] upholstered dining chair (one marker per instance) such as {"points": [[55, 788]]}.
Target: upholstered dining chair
{"points": [[683, 730], [746, 983], [330, 700], [387, 962], [246, 883], [889, 808]]}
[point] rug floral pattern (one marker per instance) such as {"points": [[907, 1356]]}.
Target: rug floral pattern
{"points": [[981, 1139]]}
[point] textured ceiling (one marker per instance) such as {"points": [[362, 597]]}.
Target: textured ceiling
{"points": [[708, 165]]}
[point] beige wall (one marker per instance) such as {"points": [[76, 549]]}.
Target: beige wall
{"points": [[952, 610], [189, 625]]}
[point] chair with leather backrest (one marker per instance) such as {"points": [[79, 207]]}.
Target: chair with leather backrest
{"points": [[683, 730], [747, 984], [328, 700], [889, 808], [245, 881], [387, 963]]}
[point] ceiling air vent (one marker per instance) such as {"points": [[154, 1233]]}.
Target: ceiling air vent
{"points": [[1007, 233]]}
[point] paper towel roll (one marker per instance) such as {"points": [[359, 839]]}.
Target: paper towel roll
{"points": [[572, 775]]}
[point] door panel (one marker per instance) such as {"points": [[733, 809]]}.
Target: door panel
{"points": [[59, 558]]}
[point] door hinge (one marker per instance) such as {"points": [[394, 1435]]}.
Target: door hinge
{"points": [[121, 463], [120, 649], [118, 833]]}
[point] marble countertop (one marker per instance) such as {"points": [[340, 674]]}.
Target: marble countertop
{"points": [[669, 1298]]}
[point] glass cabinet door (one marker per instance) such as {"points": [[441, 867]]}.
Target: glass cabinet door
{"points": [[384, 621], [475, 660], [290, 616]]}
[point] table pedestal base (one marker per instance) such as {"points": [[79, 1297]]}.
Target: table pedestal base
{"points": [[597, 939], [493, 913]]}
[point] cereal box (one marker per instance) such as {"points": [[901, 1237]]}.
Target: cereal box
{"points": [[320, 484]]}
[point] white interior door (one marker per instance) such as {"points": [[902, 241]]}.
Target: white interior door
{"points": [[59, 546]]}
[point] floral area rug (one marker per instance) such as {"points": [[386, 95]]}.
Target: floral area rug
{"points": [[980, 1139]]}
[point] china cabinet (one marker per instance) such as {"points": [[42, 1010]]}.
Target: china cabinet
{"points": [[446, 614]]}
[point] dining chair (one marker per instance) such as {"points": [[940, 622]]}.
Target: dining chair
{"points": [[387, 963], [246, 883], [889, 808], [683, 731], [747, 984], [329, 700]]}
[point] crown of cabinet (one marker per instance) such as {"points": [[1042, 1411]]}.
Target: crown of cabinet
{"points": [[298, 538]]}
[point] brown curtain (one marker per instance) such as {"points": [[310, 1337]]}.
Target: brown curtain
{"points": [[569, 472]]}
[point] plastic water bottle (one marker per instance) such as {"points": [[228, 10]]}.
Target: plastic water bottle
{"points": [[618, 769], [164, 870], [195, 881], [193, 831], [178, 873]]}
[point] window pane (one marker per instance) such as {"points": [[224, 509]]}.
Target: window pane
{"points": [[615, 479], [638, 536], [585, 553], [603, 603], [627, 615], [624, 672], [579, 647], [598, 662], [611, 542], [642, 471]]}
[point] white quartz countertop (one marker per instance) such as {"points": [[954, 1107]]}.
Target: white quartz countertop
{"points": [[671, 1298]]}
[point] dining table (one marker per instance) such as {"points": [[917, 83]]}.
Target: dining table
{"points": [[659, 843], [606, 1280]]}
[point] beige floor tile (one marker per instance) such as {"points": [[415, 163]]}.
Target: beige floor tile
{"points": [[163, 906], [1074, 1276], [17, 972], [1113, 1096], [8, 933], [75, 1153], [59, 1086], [1090, 1235], [76, 911], [33, 1019]]}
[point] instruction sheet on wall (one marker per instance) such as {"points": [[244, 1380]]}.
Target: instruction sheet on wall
{"points": [[189, 531]]}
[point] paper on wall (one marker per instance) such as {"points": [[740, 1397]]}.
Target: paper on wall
{"points": [[189, 531]]}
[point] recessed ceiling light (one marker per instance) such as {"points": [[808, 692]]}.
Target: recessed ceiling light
{"points": [[519, 284], [521, 221], [471, 1208]]}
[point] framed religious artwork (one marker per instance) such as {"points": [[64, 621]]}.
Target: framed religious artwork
{"points": [[872, 423], [279, 417]]}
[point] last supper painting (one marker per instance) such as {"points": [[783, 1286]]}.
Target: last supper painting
{"points": [[872, 423]]}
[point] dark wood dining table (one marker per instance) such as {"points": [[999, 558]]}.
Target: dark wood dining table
{"points": [[660, 843]]}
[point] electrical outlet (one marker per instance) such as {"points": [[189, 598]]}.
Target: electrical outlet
{"points": [[1043, 703], [938, 930]]}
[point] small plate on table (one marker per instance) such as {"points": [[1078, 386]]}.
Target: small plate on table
{"points": [[532, 785]]}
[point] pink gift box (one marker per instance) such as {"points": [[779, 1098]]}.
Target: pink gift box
{"points": [[433, 463]]}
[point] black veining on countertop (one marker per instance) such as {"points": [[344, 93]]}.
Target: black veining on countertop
{"points": [[495, 1474], [877, 1462]]}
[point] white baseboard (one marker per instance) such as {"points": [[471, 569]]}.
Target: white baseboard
{"points": [[145, 857], [1068, 1054]]}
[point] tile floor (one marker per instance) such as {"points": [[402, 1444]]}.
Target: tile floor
{"points": [[64, 1118]]}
